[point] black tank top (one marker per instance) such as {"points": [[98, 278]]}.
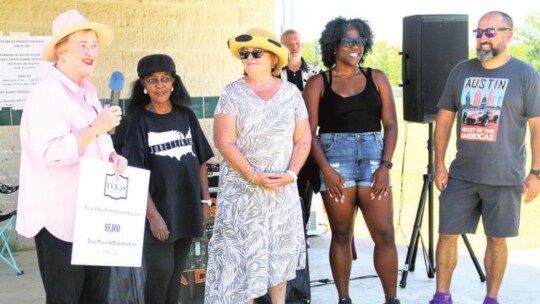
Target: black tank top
{"points": [[354, 114]]}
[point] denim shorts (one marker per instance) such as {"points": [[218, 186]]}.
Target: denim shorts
{"points": [[355, 156]]}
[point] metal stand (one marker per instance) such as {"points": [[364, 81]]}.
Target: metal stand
{"points": [[427, 191]]}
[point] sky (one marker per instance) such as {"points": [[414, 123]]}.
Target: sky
{"points": [[386, 16]]}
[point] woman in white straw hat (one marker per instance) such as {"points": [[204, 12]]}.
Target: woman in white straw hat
{"points": [[62, 121], [262, 131]]}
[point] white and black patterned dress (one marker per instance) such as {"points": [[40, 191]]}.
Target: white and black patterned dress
{"points": [[258, 239]]}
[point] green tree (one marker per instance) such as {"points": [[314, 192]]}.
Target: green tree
{"points": [[386, 58], [520, 51], [528, 34], [312, 53]]}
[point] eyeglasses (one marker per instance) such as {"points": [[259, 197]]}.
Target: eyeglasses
{"points": [[83, 47], [244, 54], [349, 42], [154, 81], [490, 32]]}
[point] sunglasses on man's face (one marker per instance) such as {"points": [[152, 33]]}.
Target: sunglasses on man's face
{"points": [[489, 32], [256, 53], [349, 42]]}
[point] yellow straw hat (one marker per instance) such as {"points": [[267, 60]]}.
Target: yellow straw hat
{"points": [[70, 22], [259, 38]]}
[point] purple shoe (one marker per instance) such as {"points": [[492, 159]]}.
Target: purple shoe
{"points": [[441, 298], [488, 300]]}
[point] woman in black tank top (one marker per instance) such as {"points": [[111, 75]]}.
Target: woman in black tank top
{"points": [[348, 104]]}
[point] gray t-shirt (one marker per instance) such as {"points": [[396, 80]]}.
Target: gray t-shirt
{"points": [[492, 107]]}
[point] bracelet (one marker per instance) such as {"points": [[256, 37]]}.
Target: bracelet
{"points": [[295, 177], [92, 128]]}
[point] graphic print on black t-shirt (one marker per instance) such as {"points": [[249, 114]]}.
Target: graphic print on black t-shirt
{"points": [[482, 100], [171, 143]]}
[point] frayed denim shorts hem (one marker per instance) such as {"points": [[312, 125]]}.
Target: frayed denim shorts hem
{"points": [[355, 156]]}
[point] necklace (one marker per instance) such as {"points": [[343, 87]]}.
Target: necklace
{"points": [[338, 74]]}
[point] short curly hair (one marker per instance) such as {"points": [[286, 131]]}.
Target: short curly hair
{"points": [[335, 30]]}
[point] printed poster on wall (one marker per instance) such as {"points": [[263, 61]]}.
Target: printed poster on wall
{"points": [[21, 67]]}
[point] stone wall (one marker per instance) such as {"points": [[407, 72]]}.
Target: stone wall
{"points": [[193, 32]]}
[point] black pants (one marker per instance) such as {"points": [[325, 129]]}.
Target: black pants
{"points": [[66, 283], [164, 263], [305, 190], [299, 288]]}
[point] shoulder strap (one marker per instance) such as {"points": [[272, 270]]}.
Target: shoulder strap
{"points": [[325, 79], [366, 73], [369, 76]]}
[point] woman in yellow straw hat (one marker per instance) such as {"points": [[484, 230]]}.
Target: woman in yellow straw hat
{"points": [[262, 132], [62, 121]]}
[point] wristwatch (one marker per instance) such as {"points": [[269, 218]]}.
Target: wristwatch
{"points": [[535, 173], [208, 202], [388, 164]]}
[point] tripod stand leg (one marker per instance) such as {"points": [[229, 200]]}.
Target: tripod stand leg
{"points": [[411, 252], [427, 194], [412, 265], [429, 265], [473, 257]]}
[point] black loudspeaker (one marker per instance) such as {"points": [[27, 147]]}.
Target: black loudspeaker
{"points": [[432, 46]]}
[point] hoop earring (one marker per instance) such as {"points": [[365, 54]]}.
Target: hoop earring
{"points": [[145, 91]]}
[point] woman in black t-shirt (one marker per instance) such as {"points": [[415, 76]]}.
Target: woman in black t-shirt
{"points": [[164, 136]]}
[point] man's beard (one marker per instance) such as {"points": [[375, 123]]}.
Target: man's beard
{"points": [[485, 55]]}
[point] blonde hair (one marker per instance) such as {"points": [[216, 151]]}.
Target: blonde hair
{"points": [[276, 68]]}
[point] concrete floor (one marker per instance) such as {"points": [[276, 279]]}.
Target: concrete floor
{"points": [[520, 285]]}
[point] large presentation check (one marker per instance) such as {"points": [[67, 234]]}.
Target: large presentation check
{"points": [[110, 218]]}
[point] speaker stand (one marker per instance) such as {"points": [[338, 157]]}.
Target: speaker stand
{"points": [[427, 192]]}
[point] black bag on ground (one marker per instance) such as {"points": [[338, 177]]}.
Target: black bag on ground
{"points": [[127, 285]]}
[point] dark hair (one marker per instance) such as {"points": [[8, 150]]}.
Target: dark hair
{"points": [[139, 100], [337, 29]]}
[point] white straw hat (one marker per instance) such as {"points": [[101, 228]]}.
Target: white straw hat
{"points": [[70, 22]]}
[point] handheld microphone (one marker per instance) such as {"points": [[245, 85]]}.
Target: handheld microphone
{"points": [[116, 84]]}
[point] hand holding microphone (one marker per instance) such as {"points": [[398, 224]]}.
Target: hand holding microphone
{"points": [[111, 115], [116, 84], [107, 119]]}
